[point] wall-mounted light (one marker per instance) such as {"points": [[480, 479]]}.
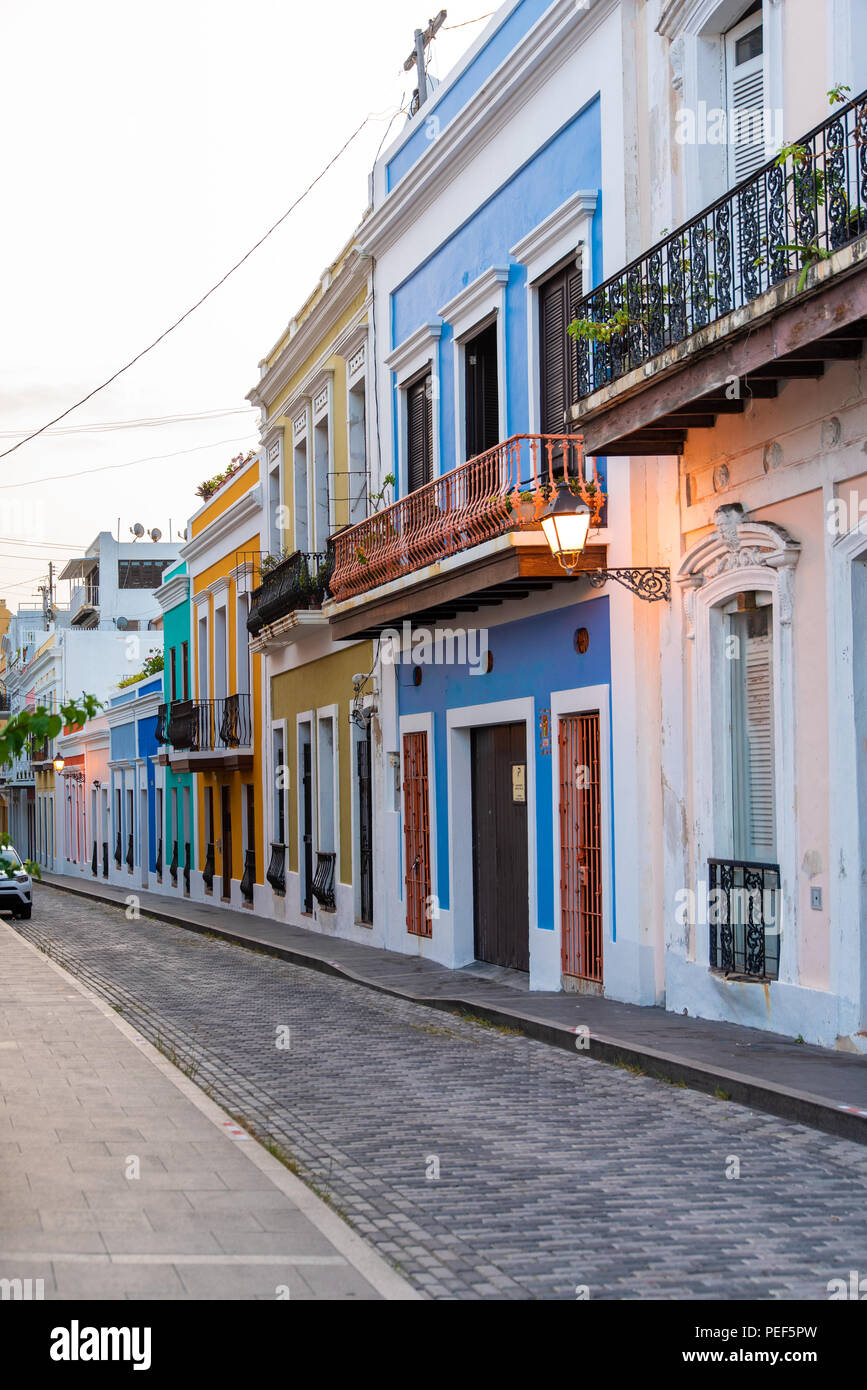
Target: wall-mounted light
{"points": [[59, 764], [566, 523]]}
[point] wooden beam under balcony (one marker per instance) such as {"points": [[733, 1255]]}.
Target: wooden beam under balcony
{"points": [[513, 573]]}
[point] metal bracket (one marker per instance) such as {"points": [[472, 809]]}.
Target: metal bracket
{"points": [[651, 584]]}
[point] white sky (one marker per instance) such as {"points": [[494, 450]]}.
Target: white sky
{"points": [[145, 148]]}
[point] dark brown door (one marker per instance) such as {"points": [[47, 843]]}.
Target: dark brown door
{"points": [[365, 829], [482, 392], [226, 824], [558, 301], [500, 876], [419, 411]]}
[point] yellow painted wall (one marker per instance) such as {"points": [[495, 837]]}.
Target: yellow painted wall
{"points": [[315, 686]]}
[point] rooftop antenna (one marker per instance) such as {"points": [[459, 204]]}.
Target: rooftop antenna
{"points": [[415, 60], [137, 531]]}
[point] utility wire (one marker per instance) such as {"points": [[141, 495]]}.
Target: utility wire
{"points": [[109, 426], [467, 22], [198, 304], [110, 467]]}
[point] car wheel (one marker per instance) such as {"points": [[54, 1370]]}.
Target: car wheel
{"points": [[23, 912]]}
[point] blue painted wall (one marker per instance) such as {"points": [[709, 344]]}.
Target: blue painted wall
{"points": [[571, 161], [532, 657]]}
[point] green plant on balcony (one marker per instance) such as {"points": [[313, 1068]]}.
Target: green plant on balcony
{"points": [[270, 562], [207, 489]]}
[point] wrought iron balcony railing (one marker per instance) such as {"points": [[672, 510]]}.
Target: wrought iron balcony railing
{"points": [[795, 212], [206, 726], [284, 586], [323, 882], [276, 874], [248, 879], [744, 917], [208, 871], [498, 491]]}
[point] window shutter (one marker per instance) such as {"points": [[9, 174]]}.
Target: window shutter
{"points": [[558, 306], [753, 737], [419, 434], [482, 392], [553, 345], [745, 72]]}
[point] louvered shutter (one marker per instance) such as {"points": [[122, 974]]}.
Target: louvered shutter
{"points": [[559, 298], [419, 434], [482, 392], [753, 736], [745, 73]]}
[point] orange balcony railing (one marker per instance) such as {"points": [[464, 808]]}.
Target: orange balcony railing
{"points": [[499, 491]]}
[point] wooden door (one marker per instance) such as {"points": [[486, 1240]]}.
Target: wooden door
{"points": [[226, 823], [365, 830], [501, 912], [580, 847]]}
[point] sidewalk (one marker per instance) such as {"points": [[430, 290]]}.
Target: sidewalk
{"points": [[809, 1085], [120, 1179]]}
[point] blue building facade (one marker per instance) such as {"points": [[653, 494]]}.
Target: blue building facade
{"points": [[133, 749], [496, 668]]}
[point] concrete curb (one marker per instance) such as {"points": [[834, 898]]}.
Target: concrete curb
{"points": [[799, 1107]]}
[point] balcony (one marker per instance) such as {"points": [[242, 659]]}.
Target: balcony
{"points": [[743, 908], [469, 539], [206, 735], [282, 589], [84, 605], [761, 287]]}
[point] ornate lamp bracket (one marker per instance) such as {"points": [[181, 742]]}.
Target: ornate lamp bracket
{"points": [[650, 583]]}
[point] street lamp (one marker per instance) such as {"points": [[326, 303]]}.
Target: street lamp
{"points": [[565, 523], [59, 764]]}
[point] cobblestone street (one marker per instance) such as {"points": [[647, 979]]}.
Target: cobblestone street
{"points": [[483, 1164]]}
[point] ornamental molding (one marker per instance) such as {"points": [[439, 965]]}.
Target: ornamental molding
{"points": [[738, 544], [565, 230], [699, 17], [477, 300], [414, 351], [220, 529], [523, 74], [173, 593]]}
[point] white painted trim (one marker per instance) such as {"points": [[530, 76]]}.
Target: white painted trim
{"points": [[581, 700], [467, 313], [407, 362]]}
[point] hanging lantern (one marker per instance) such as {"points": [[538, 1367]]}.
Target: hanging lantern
{"points": [[565, 523]]}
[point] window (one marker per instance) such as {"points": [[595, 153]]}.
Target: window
{"points": [[419, 426], [185, 670], [173, 676], [279, 773], [559, 297], [482, 392], [745, 83], [141, 574], [750, 647]]}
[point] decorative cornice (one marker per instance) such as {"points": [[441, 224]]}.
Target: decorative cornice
{"points": [[174, 592], [738, 543], [464, 310], [320, 322], [534, 249], [527, 70], [413, 346], [239, 512]]}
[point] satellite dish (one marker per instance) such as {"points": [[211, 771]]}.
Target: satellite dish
{"points": [[184, 534], [121, 624], [137, 530], [155, 534]]}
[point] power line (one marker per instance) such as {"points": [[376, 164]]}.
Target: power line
{"points": [[470, 21], [111, 467], [109, 426], [198, 304]]}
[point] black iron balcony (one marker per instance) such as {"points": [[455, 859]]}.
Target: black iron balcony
{"points": [[284, 586], [744, 918], [249, 878], [208, 871], [162, 729], [159, 863], [118, 852], [94, 863], [206, 726], [130, 855], [794, 213], [173, 867], [187, 867], [105, 858], [323, 882], [276, 874]]}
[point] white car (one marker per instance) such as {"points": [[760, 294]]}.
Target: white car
{"points": [[16, 885]]}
